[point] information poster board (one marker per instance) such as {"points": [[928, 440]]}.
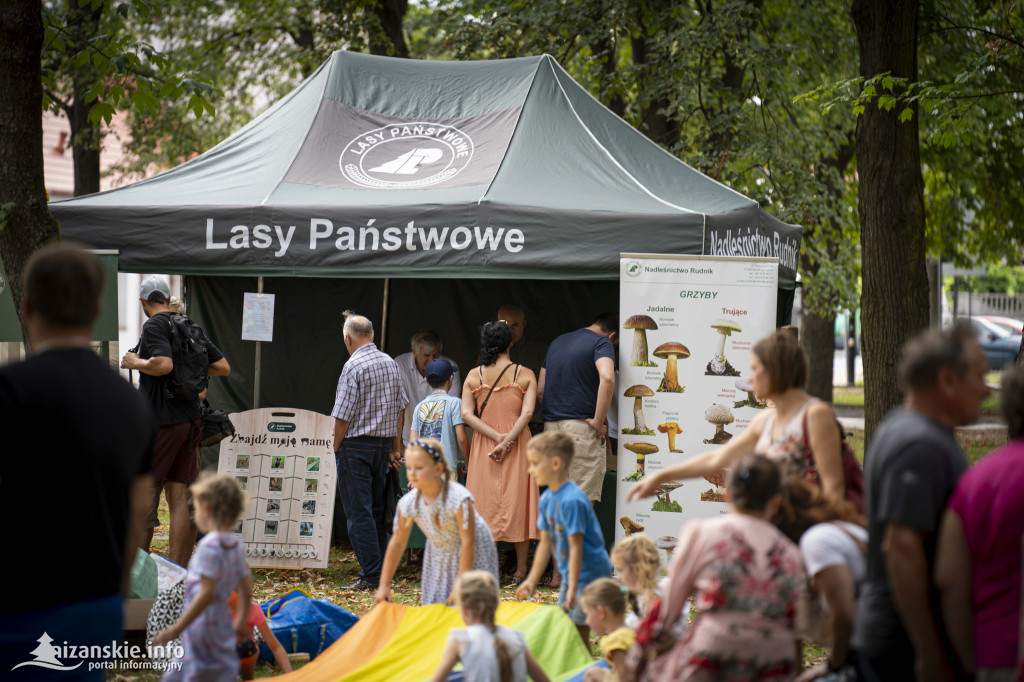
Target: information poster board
{"points": [[283, 460], [688, 324]]}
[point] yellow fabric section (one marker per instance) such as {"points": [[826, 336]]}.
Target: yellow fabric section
{"points": [[619, 640], [415, 648], [355, 648]]}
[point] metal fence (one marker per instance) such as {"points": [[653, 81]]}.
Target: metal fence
{"points": [[1007, 305]]}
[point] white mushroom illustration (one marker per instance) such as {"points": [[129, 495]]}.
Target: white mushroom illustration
{"points": [[719, 366]]}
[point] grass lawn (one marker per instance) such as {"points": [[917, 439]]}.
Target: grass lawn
{"points": [[853, 396]]}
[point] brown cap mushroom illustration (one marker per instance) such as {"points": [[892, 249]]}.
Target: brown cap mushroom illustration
{"points": [[672, 352], [641, 450], [673, 430], [639, 392], [718, 364], [719, 415], [630, 526], [639, 324]]}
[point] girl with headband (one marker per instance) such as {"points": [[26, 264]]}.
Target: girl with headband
{"points": [[458, 539]]}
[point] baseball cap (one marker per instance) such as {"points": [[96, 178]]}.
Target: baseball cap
{"points": [[439, 370], [155, 284]]}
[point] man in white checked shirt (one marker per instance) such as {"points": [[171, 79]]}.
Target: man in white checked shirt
{"points": [[368, 410]]}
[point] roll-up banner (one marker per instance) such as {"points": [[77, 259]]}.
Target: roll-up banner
{"points": [[688, 326]]}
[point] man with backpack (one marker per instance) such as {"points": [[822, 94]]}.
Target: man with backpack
{"points": [[174, 361]]}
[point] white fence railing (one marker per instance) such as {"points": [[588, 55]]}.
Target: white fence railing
{"points": [[1007, 305]]}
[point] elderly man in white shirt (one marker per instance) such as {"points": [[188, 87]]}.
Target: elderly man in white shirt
{"points": [[426, 346]]}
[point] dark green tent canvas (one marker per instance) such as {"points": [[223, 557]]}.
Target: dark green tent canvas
{"points": [[379, 167]]}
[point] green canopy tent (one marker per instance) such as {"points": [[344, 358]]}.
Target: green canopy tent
{"points": [[506, 172], [423, 194]]}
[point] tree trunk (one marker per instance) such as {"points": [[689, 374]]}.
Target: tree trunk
{"points": [[392, 43], [654, 121], [817, 334], [25, 223], [894, 298], [84, 24]]}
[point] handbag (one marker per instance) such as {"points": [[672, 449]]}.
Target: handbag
{"points": [[480, 412], [853, 474]]}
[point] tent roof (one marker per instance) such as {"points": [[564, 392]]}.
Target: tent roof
{"points": [[368, 143]]}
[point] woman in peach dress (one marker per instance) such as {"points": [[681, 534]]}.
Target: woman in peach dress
{"points": [[505, 493]]}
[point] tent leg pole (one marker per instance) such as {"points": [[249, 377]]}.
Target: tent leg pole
{"points": [[384, 314], [256, 372]]}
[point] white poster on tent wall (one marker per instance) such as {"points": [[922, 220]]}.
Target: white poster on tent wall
{"points": [[688, 326]]}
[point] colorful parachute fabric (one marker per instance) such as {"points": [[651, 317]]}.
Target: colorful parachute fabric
{"points": [[394, 642]]}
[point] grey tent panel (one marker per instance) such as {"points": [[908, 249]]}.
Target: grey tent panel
{"points": [[386, 167]]}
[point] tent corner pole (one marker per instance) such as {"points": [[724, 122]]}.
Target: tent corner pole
{"points": [[384, 314]]}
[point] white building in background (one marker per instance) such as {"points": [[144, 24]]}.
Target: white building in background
{"points": [[59, 174]]}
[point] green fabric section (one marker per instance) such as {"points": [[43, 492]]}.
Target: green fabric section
{"points": [[554, 641], [429, 89]]}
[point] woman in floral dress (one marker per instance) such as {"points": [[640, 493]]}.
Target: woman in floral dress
{"points": [[746, 578]]}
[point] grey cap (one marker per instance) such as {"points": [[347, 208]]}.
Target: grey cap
{"points": [[152, 285]]}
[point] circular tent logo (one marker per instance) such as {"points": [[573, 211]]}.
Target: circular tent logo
{"points": [[406, 156]]}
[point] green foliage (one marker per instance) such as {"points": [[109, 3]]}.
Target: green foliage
{"points": [[121, 71], [714, 83], [969, 99], [663, 506]]}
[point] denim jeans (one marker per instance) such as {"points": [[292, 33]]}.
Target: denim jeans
{"points": [[362, 464]]}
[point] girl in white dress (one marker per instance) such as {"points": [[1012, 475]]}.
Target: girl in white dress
{"points": [[488, 652], [458, 538]]}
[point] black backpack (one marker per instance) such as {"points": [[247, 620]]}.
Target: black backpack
{"points": [[191, 372]]}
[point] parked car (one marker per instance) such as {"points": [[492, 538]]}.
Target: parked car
{"points": [[1015, 326], [999, 343]]}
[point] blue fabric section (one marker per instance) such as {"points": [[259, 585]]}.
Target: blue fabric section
{"points": [[304, 625]]}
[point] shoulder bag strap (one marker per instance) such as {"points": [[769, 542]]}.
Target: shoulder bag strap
{"points": [[860, 543], [480, 412]]}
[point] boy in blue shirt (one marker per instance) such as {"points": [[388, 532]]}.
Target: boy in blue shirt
{"points": [[566, 517], [439, 416]]}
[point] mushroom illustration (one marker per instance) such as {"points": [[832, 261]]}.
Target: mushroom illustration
{"points": [[672, 429], [744, 385], [667, 543], [665, 489], [639, 392], [641, 450], [719, 365], [671, 351], [719, 415], [630, 526], [640, 324]]}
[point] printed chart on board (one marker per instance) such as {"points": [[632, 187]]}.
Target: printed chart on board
{"points": [[283, 460], [688, 324]]}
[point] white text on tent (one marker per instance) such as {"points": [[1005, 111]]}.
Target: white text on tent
{"points": [[371, 238]]}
